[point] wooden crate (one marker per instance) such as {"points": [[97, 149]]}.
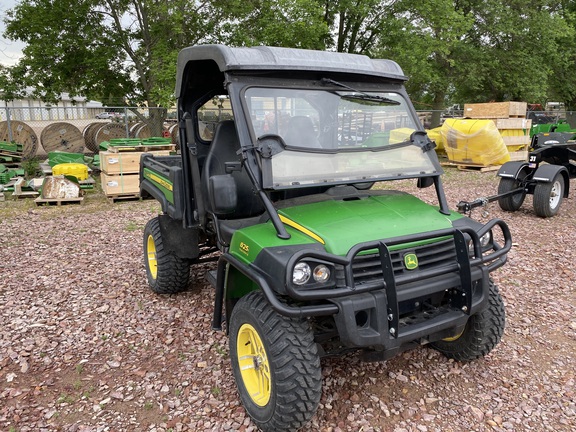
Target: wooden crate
{"points": [[520, 155], [120, 184], [495, 110], [516, 140], [152, 148], [513, 123], [125, 162]]}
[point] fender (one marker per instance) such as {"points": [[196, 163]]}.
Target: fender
{"points": [[147, 188], [512, 169], [546, 173]]}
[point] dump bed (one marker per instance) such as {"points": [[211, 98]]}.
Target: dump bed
{"points": [[161, 178]]}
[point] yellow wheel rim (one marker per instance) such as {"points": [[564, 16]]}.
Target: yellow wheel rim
{"points": [[151, 257], [453, 338], [253, 364]]}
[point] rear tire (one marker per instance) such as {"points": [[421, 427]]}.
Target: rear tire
{"points": [[276, 365], [549, 196], [482, 333], [166, 272], [510, 203]]}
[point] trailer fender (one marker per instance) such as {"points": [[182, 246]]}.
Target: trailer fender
{"points": [[546, 173], [512, 169]]}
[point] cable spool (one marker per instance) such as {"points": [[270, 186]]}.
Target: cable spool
{"points": [[174, 135], [88, 134], [107, 132], [140, 130], [21, 134], [62, 137], [96, 133]]}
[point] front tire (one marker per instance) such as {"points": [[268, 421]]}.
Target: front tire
{"points": [[276, 365], [548, 197], [166, 272], [482, 333]]}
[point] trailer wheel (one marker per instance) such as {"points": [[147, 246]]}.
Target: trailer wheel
{"points": [[276, 365], [481, 334], [548, 197], [167, 273], [510, 203]]}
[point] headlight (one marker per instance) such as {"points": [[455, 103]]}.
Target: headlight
{"points": [[301, 273], [321, 273], [311, 273], [486, 239]]}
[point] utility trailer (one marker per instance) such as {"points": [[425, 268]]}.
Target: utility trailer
{"points": [[546, 175]]}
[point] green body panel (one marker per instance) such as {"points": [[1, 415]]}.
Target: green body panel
{"points": [[238, 285], [161, 182], [343, 224], [247, 243]]}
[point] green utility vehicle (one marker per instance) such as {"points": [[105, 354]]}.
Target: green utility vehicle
{"points": [[315, 255]]}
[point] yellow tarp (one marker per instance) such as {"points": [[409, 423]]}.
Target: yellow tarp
{"points": [[475, 142], [436, 136]]}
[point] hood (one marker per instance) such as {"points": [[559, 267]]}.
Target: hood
{"points": [[341, 224]]}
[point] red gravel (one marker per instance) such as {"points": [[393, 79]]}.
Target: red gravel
{"points": [[86, 346]]}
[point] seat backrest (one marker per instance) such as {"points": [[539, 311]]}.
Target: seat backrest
{"points": [[224, 148], [301, 132]]}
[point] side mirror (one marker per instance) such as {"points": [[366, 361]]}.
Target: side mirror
{"points": [[424, 182], [223, 194]]}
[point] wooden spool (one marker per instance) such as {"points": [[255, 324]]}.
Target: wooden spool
{"points": [[21, 134], [88, 134], [107, 132], [63, 137], [132, 129], [174, 135], [140, 130]]}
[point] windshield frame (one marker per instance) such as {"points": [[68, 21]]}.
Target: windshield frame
{"points": [[264, 157]]}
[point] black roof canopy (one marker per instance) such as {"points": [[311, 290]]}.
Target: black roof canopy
{"points": [[264, 58]]}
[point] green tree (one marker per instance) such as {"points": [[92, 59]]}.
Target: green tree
{"points": [[563, 79], [118, 51], [475, 51], [11, 84], [285, 23], [356, 25], [515, 49], [425, 38], [67, 50]]}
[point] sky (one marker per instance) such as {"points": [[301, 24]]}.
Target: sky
{"points": [[10, 51]]}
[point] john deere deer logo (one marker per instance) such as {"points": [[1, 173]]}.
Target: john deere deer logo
{"points": [[411, 261]]}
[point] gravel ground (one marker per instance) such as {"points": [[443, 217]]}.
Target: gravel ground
{"points": [[86, 346]]}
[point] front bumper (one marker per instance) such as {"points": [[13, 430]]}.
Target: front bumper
{"points": [[377, 313]]}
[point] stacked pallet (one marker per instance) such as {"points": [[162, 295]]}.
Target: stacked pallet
{"points": [[120, 165], [510, 120], [11, 153]]}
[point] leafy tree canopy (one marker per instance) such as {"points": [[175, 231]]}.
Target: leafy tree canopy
{"points": [[124, 51]]}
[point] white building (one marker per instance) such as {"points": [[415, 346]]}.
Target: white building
{"points": [[31, 109]]}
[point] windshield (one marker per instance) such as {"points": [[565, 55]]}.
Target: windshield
{"points": [[335, 136]]}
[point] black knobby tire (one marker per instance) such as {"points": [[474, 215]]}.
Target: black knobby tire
{"points": [[166, 272], [288, 363], [481, 334], [548, 197], [510, 203]]}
